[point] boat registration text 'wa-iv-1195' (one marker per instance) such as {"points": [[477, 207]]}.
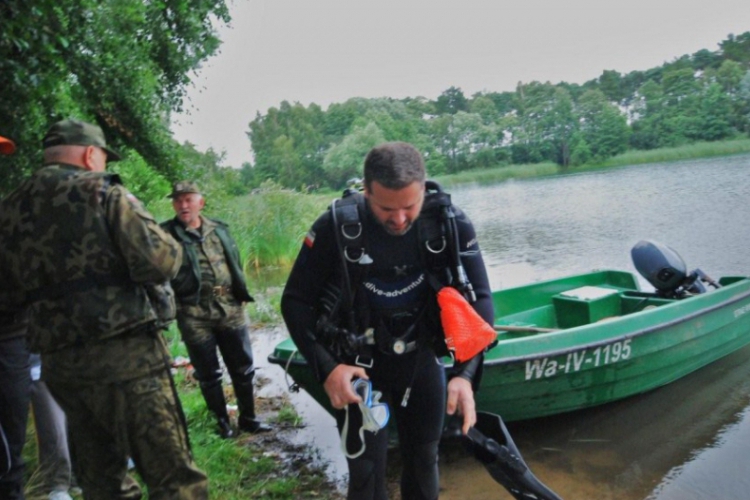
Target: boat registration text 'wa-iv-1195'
{"points": [[578, 360]]}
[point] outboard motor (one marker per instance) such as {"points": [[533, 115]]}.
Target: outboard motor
{"points": [[663, 267]]}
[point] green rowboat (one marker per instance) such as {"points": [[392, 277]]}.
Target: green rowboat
{"points": [[588, 339]]}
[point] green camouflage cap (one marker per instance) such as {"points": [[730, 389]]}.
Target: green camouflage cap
{"points": [[183, 187], [77, 133]]}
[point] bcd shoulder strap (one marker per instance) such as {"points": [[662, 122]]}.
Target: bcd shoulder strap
{"points": [[436, 236]]}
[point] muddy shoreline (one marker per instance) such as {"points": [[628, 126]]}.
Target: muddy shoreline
{"points": [[294, 448]]}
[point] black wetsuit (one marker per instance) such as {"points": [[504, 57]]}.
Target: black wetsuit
{"points": [[396, 290]]}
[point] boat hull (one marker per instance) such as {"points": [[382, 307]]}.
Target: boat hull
{"points": [[609, 341]]}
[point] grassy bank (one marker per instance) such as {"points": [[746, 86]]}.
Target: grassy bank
{"points": [[686, 152], [662, 155]]}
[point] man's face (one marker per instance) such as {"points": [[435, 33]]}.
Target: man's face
{"points": [[395, 209], [188, 208]]}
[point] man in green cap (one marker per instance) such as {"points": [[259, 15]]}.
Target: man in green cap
{"points": [[210, 290], [82, 254]]}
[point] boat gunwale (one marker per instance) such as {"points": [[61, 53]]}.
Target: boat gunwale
{"points": [[610, 340]]}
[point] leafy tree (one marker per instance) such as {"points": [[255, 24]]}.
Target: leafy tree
{"points": [[546, 122], [472, 139], [603, 128], [505, 102], [420, 107], [729, 75], [445, 144], [580, 152], [451, 101], [648, 116], [737, 48], [344, 160], [669, 113], [611, 85], [743, 104], [140, 178], [705, 59], [124, 64], [339, 118], [485, 107], [715, 114], [289, 144], [392, 117]]}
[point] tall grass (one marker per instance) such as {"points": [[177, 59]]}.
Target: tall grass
{"points": [[269, 224], [686, 152]]}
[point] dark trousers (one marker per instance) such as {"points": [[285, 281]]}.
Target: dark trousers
{"points": [[202, 338], [419, 425], [15, 387]]}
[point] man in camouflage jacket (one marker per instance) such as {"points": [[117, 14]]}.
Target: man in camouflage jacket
{"points": [[79, 250], [210, 290]]}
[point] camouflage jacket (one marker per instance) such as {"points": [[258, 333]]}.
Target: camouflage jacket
{"points": [[187, 284], [77, 249]]}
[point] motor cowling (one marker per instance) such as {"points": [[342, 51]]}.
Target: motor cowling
{"points": [[660, 265]]}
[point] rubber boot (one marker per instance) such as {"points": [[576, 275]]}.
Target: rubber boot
{"points": [[213, 393], [247, 421]]}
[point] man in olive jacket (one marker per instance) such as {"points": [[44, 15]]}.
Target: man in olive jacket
{"points": [[210, 290], [80, 252]]}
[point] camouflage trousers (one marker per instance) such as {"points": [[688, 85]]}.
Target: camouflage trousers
{"points": [[138, 418]]}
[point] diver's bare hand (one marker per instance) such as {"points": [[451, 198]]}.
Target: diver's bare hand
{"points": [[338, 385]]}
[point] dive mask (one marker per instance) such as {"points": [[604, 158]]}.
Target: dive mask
{"points": [[369, 415]]}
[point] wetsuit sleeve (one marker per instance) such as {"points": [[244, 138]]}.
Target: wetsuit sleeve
{"points": [[471, 258], [151, 254], [314, 267]]}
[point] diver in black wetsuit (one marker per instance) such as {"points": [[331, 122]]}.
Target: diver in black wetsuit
{"points": [[390, 286]]}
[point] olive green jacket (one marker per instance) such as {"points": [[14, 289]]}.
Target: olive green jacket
{"points": [[187, 284]]}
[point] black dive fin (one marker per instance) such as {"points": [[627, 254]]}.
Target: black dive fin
{"points": [[490, 442]]}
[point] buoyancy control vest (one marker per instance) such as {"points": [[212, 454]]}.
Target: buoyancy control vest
{"points": [[346, 315]]}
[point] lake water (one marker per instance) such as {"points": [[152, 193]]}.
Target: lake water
{"points": [[689, 440]]}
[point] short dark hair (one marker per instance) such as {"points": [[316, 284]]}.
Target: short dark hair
{"points": [[394, 165]]}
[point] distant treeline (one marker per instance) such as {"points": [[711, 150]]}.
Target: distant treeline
{"points": [[700, 97]]}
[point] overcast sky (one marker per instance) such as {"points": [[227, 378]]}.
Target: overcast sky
{"points": [[326, 51]]}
